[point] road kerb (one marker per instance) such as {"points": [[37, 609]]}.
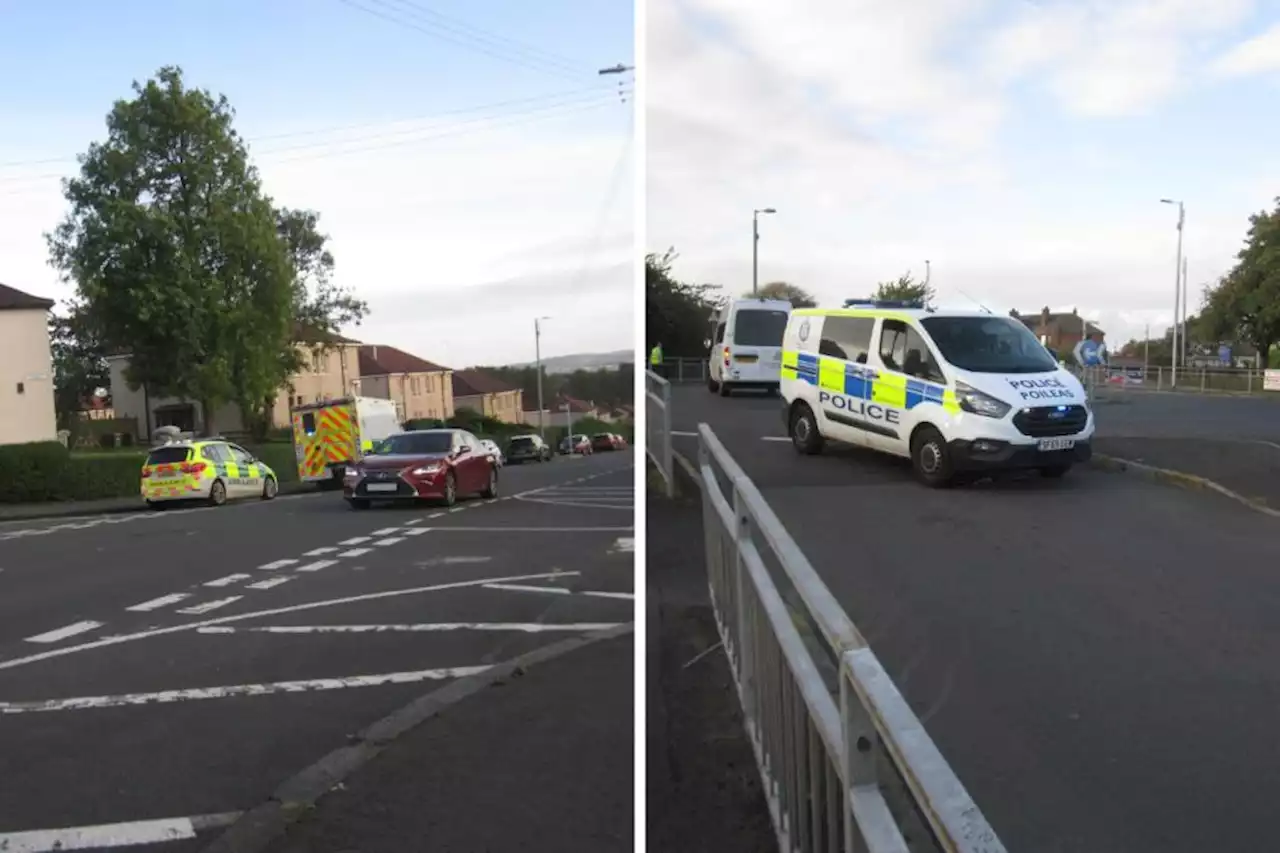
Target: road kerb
{"points": [[297, 796], [1180, 479]]}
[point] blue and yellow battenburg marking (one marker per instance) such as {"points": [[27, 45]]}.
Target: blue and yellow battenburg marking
{"points": [[865, 383]]}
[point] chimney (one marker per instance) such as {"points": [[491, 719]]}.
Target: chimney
{"points": [[374, 356]]}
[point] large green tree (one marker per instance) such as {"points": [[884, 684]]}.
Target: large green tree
{"points": [[1245, 304], [796, 295], [79, 362], [905, 288], [174, 250], [676, 313]]}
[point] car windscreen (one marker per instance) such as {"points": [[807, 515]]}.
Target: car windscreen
{"points": [[520, 443], [759, 328], [415, 443], [989, 345], [168, 456]]}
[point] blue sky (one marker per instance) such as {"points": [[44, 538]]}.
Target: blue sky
{"points": [[486, 150], [1021, 147]]}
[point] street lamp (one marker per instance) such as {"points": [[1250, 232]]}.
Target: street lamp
{"points": [[755, 247], [1178, 300], [927, 271], [537, 355]]}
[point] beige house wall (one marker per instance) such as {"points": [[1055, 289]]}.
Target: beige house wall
{"points": [[26, 378]]}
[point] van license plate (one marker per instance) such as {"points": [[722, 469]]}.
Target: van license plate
{"points": [[1050, 444], [382, 487]]}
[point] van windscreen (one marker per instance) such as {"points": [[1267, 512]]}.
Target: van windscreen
{"points": [[759, 328], [989, 345]]}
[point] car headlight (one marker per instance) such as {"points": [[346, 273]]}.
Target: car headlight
{"points": [[424, 470], [353, 474], [976, 402]]}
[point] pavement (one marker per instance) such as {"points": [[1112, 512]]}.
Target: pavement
{"points": [[182, 674], [1094, 656], [104, 506], [703, 789]]}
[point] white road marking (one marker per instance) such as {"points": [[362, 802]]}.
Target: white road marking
{"points": [[157, 603], [277, 564], [316, 552], [684, 434], [416, 531], [197, 693], [106, 835], [390, 540], [624, 544], [553, 501], [555, 590], [355, 540], [435, 515], [449, 561], [457, 509], [623, 595], [355, 552], [198, 609], [62, 634], [386, 531], [534, 529], [228, 580], [774, 438], [270, 582], [413, 521], [526, 627], [14, 663], [323, 564]]}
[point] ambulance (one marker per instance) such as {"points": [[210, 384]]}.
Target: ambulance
{"points": [[959, 393], [332, 434], [745, 345]]}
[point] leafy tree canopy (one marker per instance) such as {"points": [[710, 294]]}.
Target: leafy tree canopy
{"points": [[796, 295], [905, 289], [676, 313], [79, 362], [1245, 304]]}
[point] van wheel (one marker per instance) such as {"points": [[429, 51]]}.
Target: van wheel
{"points": [[712, 385], [930, 459], [804, 431], [725, 389], [1055, 472]]}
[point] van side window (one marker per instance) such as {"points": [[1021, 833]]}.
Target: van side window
{"points": [[720, 333], [904, 350], [847, 337]]}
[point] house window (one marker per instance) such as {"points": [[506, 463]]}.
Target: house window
{"points": [[417, 388]]}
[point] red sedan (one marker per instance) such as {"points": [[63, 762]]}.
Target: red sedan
{"points": [[430, 464]]}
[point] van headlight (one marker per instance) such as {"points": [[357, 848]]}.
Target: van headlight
{"points": [[976, 402]]}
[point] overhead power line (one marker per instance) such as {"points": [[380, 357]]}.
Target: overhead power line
{"points": [[435, 31]]}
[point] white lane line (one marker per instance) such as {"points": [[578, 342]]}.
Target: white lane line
{"points": [[629, 596], [107, 835], [316, 552], [774, 438], [554, 590], [526, 627], [155, 604], [386, 531], [457, 509], [276, 564], [390, 540], [270, 582], [228, 580], [197, 693], [198, 609], [414, 521], [435, 515], [323, 564], [355, 552], [14, 663], [416, 531], [623, 545], [62, 634], [449, 561], [533, 529], [355, 540]]}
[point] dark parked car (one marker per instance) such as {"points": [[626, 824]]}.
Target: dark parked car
{"points": [[429, 464], [528, 448], [603, 441]]}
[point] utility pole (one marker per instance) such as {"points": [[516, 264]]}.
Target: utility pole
{"points": [[755, 247], [537, 354], [1177, 291], [927, 272], [1146, 349], [1186, 334]]}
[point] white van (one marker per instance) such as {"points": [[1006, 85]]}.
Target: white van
{"points": [[956, 392], [745, 345]]}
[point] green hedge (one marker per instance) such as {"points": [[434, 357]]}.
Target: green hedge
{"points": [[47, 471]]}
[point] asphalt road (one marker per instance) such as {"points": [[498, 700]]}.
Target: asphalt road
{"points": [[1095, 657], [180, 665], [1123, 412]]}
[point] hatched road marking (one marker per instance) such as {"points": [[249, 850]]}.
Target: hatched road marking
{"points": [[157, 603], [198, 609], [62, 633], [107, 835]]}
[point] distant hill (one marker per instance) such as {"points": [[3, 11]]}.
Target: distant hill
{"points": [[585, 361]]}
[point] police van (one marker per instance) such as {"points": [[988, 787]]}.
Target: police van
{"points": [[956, 392], [745, 345]]}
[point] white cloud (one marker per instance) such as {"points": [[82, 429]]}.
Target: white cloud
{"points": [[1257, 55], [886, 133], [420, 229]]}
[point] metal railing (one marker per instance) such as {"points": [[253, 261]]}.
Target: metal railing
{"points": [[657, 426], [681, 370], [1109, 381], [846, 765]]}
